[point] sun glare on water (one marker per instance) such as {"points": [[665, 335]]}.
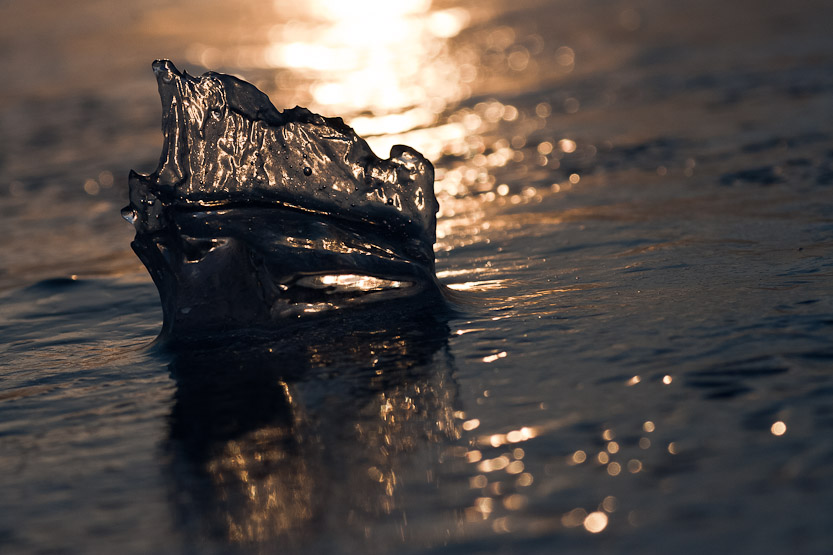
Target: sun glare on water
{"points": [[385, 62]]}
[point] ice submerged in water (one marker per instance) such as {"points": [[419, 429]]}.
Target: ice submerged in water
{"points": [[255, 217]]}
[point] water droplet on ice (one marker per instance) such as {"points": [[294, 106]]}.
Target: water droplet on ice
{"points": [[307, 171], [128, 214]]}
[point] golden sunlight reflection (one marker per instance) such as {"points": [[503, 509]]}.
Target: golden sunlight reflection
{"points": [[387, 59], [574, 518], [515, 501], [490, 465], [525, 479], [595, 522], [634, 466], [501, 469], [494, 357], [350, 282], [515, 436], [273, 504], [473, 456], [484, 285], [501, 475], [578, 457]]}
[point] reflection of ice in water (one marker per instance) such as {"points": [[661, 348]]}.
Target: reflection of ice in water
{"points": [[287, 443]]}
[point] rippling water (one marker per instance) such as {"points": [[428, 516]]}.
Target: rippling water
{"points": [[636, 212]]}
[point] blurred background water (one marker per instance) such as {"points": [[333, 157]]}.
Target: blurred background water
{"points": [[636, 205]]}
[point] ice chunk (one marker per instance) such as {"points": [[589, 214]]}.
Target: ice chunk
{"points": [[255, 215]]}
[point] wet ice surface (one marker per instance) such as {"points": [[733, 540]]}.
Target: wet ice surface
{"points": [[256, 217], [645, 351]]}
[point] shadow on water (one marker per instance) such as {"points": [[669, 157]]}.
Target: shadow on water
{"points": [[305, 440]]}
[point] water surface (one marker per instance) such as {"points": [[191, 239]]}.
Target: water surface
{"points": [[636, 206]]}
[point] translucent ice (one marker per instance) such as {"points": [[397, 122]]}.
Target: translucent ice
{"points": [[255, 216]]}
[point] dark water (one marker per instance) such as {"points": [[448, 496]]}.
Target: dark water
{"points": [[636, 208]]}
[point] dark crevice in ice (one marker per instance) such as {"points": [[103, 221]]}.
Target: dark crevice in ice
{"points": [[254, 216]]}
